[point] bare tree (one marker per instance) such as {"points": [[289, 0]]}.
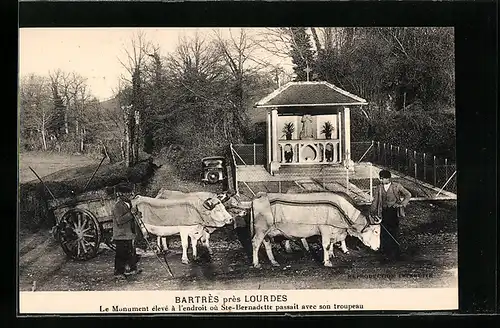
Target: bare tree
{"points": [[237, 50], [35, 105], [134, 63]]}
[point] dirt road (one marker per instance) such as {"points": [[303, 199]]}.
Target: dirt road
{"points": [[429, 240]]}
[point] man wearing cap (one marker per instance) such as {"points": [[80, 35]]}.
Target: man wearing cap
{"points": [[389, 201], [124, 234]]}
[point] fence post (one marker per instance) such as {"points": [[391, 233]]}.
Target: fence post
{"points": [[397, 158], [384, 155], [415, 162], [378, 151], [425, 167], [390, 157], [407, 162], [435, 171], [254, 154], [279, 186]]}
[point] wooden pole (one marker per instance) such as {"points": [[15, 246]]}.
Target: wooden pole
{"points": [[397, 158], [435, 171], [378, 151], [415, 162], [384, 154], [390, 156], [43, 183], [254, 154], [407, 161], [93, 174], [440, 190], [425, 167]]}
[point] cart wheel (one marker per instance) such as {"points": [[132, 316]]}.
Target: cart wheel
{"points": [[80, 234]]}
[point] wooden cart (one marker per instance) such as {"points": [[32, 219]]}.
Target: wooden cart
{"points": [[84, 222]]}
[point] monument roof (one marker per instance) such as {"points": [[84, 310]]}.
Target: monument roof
{"points": [[309, 94]]}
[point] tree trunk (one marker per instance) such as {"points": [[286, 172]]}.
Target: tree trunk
{"points": [[126, 132], [131, 139], [137, 136], [316, 40], [66, 126], [81, 140], [122, 149], [44, 139]]}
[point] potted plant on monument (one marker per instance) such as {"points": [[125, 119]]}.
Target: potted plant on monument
{"points": [[327, 129], [288, 130]]}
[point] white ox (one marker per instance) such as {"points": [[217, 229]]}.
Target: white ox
{"points": [[330, 215], [342, 245], [228, 202], [186, 216]]}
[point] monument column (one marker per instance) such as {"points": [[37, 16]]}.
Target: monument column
{"points": [[274, 140], [340, 127], [268, 138], [347, 136]]}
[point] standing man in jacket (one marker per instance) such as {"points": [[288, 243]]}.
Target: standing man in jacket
{"points": [[389, 201], [124, 227]]}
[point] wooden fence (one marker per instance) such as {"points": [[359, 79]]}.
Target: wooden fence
{"points": [[423, 166]]}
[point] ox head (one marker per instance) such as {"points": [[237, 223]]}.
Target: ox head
{"points": [[233, 204], [217, 211], [370, 235]]}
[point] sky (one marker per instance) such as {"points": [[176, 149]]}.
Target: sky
{"points": [[94, 53]]}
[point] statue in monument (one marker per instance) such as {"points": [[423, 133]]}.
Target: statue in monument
{"points": [[306, 132]]}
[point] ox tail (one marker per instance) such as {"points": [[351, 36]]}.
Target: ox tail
{"points": [[251, 223]]}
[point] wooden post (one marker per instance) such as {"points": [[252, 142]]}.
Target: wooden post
{"points": [[397, 158], [425, 167], [390, 156], [254, 154], [407, 161], [385, 157], [378, 151], [435, 171], [279, 186], [415, 162]]}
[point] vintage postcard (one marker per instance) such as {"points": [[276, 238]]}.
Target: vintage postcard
{"points": [[237, 170]]}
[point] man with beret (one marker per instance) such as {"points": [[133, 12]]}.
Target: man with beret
{"points": [[390, 199], [124, 227]]}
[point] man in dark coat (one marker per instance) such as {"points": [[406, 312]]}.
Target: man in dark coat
{"points": [[124, 229], [390, 199]]}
